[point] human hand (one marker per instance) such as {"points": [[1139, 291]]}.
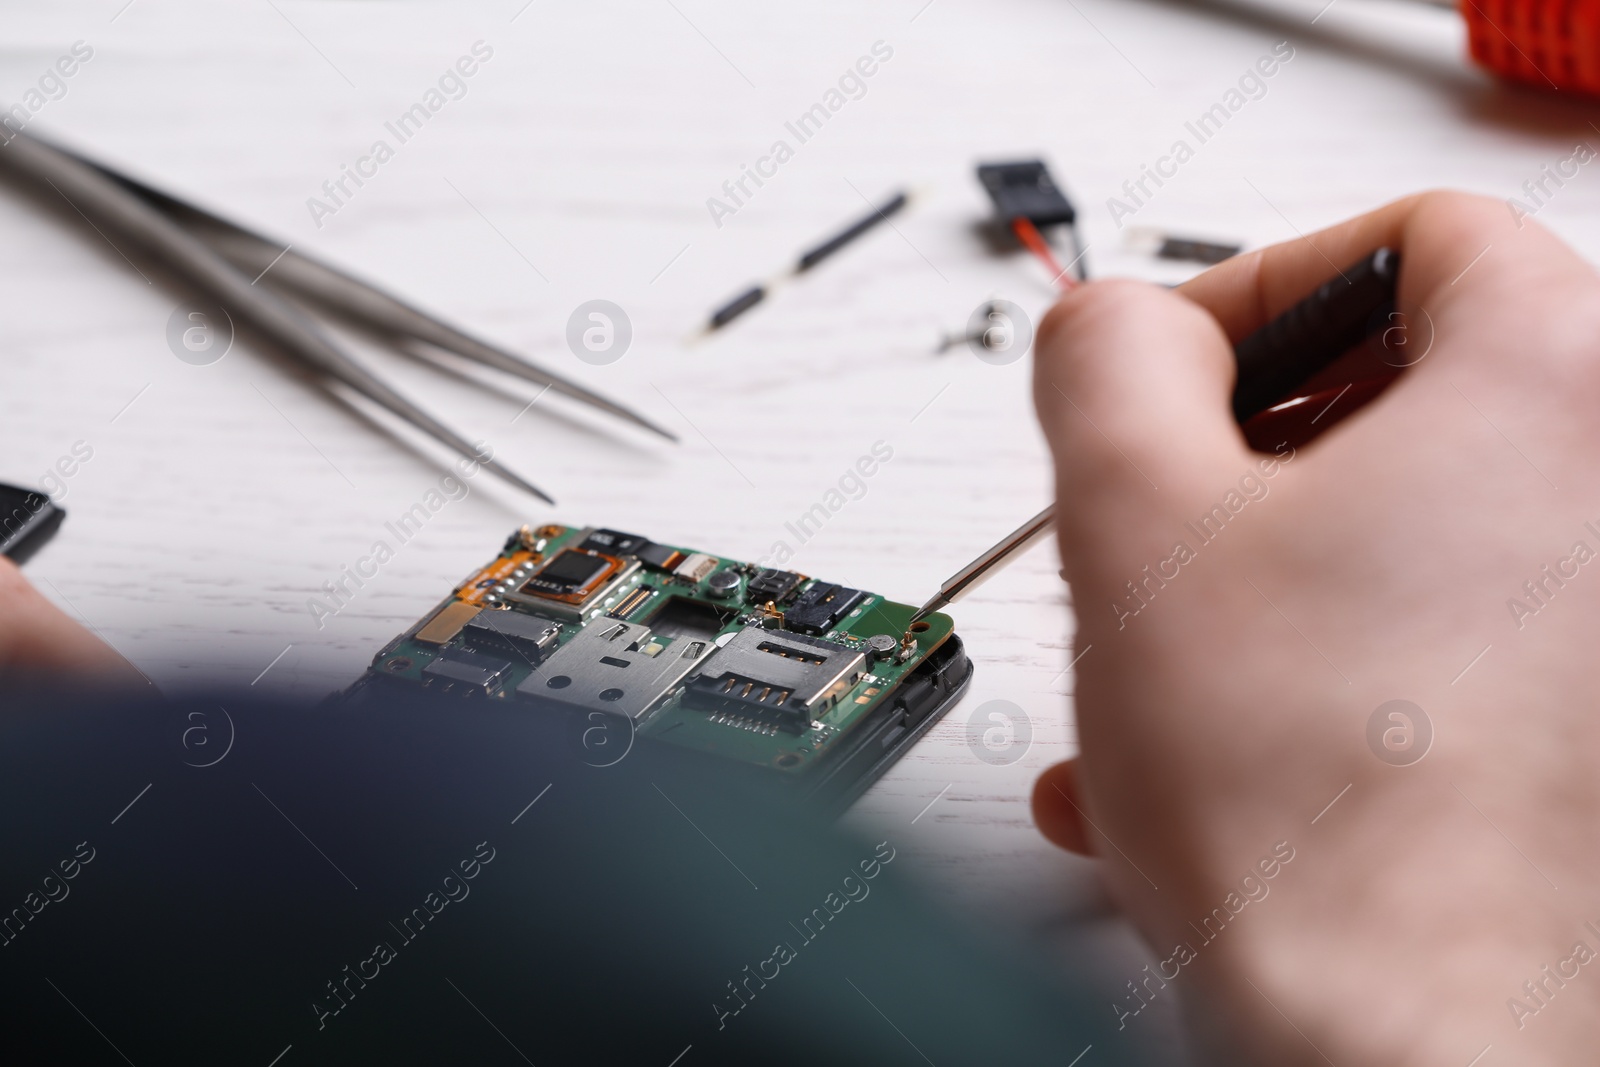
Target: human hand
{"points": [[1223, 710], [36, 638]]}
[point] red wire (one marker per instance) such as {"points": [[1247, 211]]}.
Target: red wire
{"points": [[1030, 236]]}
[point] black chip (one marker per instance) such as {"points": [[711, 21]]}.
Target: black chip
{"points": [[771, 584], [614, 543], [659, 557], [819, 608], [570, 571], [1025, 190], [512, 632], [1209, 252], [467, 670]]}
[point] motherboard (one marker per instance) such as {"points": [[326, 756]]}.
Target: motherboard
{"points": [[816, 682]]}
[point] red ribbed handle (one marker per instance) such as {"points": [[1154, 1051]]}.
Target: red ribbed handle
{"points": [[1552, 44]]}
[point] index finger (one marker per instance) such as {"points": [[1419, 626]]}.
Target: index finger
{"points": [[1437, 234]]}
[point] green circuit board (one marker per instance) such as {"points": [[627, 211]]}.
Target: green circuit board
{"points": [[758, 664]]}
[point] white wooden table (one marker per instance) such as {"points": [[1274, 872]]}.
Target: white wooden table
{"points": [[578, 165]]}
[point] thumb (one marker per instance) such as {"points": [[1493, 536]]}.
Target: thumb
{"points": [[1133, 386], [1058, 808]]}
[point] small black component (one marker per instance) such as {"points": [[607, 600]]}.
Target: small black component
{"points": [[771, 585], [570, 571], [1025, 190], [511, 633], [1207, 252], [879, 213], [685, 617], [659, 557], [737, 306], [27, 519], [614, 543], [466, 671], [817, 609], [723, 584]]}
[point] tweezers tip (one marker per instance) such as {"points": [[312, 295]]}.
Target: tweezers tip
{"points": [[520, 482]]}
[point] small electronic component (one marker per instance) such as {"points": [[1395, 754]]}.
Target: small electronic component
{"points": [[489, 585], [723, 584], [570, 574], [1025, 190], [631, 603], [695, 567], [613, 542], [778, 677], [882, 646], [1208, 252], [659, 557], [571, 580], [819, 608], [466, 671], [752, 296], [617, 667], [1148, 241], [512, 632], [690, 648], [687, 616], [1031, 204], [770, 585], [447, 622]]}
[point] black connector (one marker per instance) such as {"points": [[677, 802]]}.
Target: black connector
{"points": [[1025, 190]]}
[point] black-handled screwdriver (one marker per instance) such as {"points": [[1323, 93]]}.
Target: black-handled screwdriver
{"points": [[1285, 353], [1273, 362]]}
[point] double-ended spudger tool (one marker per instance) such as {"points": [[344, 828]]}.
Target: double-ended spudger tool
{"points": [[225, 261], [1272, 363], [752, 296]]}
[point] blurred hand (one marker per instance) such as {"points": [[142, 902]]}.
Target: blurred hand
{"points": [[1224, 708], [38, 640]]}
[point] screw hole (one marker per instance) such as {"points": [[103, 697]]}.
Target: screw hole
{"points": [[609, 695], [560, 681], [919, 627], [788, 759]]}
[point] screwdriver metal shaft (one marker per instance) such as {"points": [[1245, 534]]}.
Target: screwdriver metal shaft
{"points": [[1273, 362]]}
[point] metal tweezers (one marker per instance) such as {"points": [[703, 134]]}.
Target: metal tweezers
{"points": [[221, 258]]}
